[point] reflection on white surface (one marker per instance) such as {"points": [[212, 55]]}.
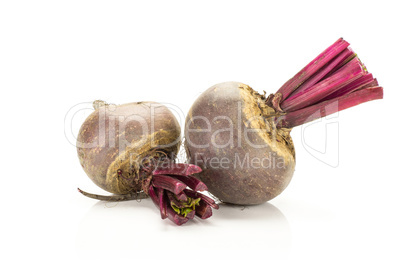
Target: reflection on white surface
{"points": [[121, 229]]}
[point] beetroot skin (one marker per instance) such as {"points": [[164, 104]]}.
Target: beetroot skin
{"points": [[226, 136], [116, 138]]}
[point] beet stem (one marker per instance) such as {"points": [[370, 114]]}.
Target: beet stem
{"points": [[311, 68], [349, 73], [325, 108], [162, 202], [168, 188], [342, 82], [320, 74], [341, 64], [363, 82], [192, 182], [153, 195], [168, 183], [203, 211]]}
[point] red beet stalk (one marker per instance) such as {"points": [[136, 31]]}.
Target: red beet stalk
{"points": [[333, 81], [168, 183], [175, 192], [313, 67]]}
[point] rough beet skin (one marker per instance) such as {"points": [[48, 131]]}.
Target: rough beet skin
{"points": [[114, 140], [226, 135]]}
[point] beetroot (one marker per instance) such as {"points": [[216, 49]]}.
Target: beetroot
{"points": [[118, 137], [241, 139], [129, 150]]}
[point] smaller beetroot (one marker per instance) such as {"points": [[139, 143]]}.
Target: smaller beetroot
{"points": [[129, 150]]}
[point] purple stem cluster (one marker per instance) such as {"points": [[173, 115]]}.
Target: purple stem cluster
{"points": [[335, 80], [176, 192]]}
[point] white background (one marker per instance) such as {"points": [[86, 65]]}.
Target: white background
{"points": [[343, 207]]}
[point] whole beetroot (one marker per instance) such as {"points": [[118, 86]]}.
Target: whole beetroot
{"points": [[244, 159], [241, 139], [130, 150], [118, 137]]}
